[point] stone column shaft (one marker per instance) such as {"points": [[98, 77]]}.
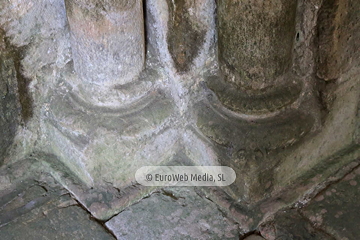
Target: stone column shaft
{"points": [[107, 38], [256, 40]]}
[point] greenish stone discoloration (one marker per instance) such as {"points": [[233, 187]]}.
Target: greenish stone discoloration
{"points": [[185, 35], [259, 118], [337, 140]]}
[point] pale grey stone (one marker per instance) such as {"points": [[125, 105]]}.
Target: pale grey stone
{"points": [[173, 213]]}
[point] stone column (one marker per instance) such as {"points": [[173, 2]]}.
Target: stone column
{"points": [[256, 41], [105, 117], [258, 105], [107, 38]]}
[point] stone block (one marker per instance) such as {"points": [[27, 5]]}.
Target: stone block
{"points": [[33, 205], [335, 210], [338, 33], [173, 213]]}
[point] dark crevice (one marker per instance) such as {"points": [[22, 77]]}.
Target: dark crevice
{"points": [[92, 218], [249, 234], [26, 101], [169, 194], [145, 29]]}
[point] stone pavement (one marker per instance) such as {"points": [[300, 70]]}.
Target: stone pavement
{"points": [[34, 206], [331, 214]]}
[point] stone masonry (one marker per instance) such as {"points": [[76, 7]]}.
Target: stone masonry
{"points": [[93, 90]]}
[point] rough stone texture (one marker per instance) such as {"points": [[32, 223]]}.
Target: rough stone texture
{"points": [[338, 31], [290, 225], [173, 213], [36, 32], [10, 109], [53, 221], [254, 237], [335, 210], [249, 42], [296, 154], [108, 49], [249, 144], [107, 39], [186, 33], [121, 142], [199, 100], [259, 103], [139, 122], [335, 146], [34, 206]]}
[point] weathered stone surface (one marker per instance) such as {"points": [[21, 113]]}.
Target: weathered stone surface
{"points": [[37, 33], [335, 210], [47, 42], [286, 134], [103, 201], [249, 145], [250, 102], [338, 31], [255, 41], [107, 39], [180, 35], [305, 44], [55, 220], [256, 57], [124, 138], [173, 213], [336, 145], [34, 206], [290, 225], [186, 33], [10, 108]]}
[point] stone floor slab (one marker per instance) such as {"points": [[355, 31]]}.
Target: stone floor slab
{"points": [[290, 225], [336, 209], [174, 213], [38, 208]]}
